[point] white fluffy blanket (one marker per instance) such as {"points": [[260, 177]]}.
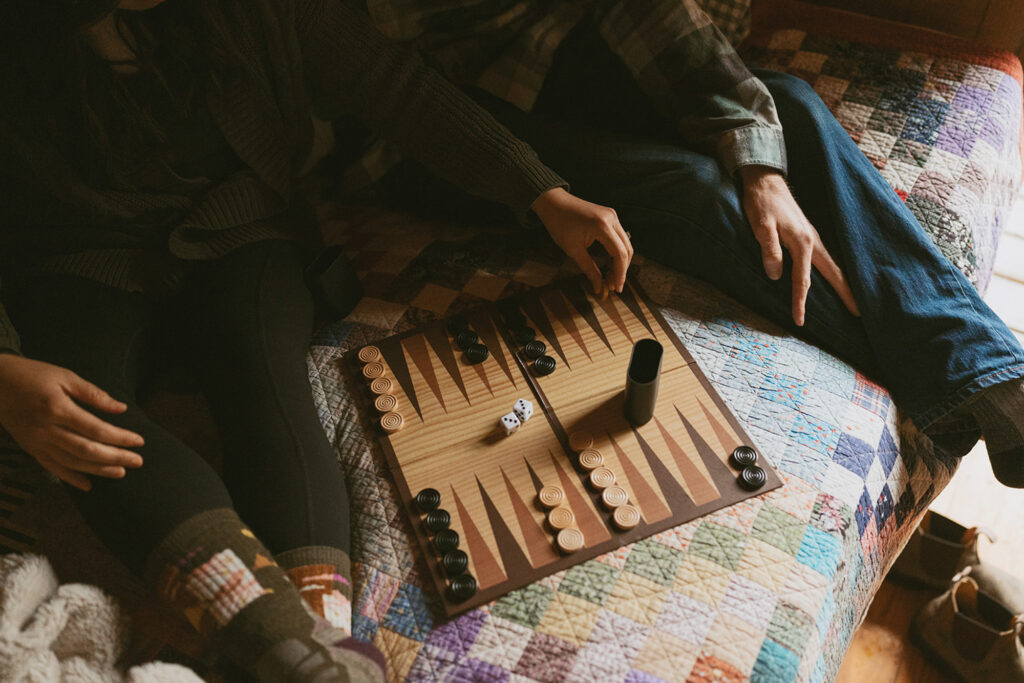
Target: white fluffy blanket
{"points": [[74, 632]]}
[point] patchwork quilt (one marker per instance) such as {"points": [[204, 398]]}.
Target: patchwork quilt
{"points": [[770, 589]]}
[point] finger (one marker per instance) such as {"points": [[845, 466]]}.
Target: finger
{"points": [[624, 236], [92, 395], [590, 269], [767, 236], [801, 253], [79, 481], [71, 460], [609, 239], [93, 452], [86, 424], [825, 264]]}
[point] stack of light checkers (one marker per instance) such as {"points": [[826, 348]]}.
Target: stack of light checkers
{"points": [[385, 402], [461, 585], [467, 340], [751, 477], [561, 520], [601, 479], [532, 348]]}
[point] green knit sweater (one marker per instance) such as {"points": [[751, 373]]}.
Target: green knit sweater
{"points": [[319, 56]]}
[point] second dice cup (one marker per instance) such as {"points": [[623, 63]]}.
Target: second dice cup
{"points": [[642, 381]]}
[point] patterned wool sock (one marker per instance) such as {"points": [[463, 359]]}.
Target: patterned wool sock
{"points": [[238, 598], [999, 410], [323, 576]]}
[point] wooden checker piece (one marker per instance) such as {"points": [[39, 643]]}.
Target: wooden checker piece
{"points": [[675, 468], [373, 370], [368, 354], [381, 385], [614, 497], [551, 496], [590, 459], [385, 403], [561, 518], [579, 441]]}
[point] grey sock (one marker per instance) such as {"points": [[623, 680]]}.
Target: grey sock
{"points": [[999, 410]]}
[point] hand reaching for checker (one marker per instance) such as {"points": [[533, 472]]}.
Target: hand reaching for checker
{"points": [[778, 222], [39, 407], [575, 224]]}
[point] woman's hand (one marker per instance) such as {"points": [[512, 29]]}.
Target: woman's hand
{"points": [[777, 222], [38, 408], [575, 224]]}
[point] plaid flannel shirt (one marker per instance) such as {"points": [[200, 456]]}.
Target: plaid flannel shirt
{"points": [[679, 58]]}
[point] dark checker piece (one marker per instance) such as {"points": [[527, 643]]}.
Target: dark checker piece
{"points": [[466, 338], [427, 500], [454, 563], [535, 349], [438, 520], [446, 539], [753, 478], [544, 365], [524, 335], [457, 323], [743, 456], [463, 587], [477, 353]]}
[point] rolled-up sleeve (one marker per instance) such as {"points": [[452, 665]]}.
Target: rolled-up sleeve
{"points": [[694, 76]]}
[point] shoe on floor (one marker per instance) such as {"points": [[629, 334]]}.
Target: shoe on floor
{"points": [[972, 634], [937, 550]]}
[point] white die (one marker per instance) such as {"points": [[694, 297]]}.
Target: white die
{"points": [[523, 410], [510, 423]]}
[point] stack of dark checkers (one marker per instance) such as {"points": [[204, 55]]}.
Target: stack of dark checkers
{"points": [[526, 338], [454, 562], [605, 483], [751, 477]]}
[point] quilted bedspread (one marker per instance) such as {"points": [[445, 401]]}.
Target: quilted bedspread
{"points": [[770, 589]]}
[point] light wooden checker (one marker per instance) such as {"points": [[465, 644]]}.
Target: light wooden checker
{"points": [[675, 468]]}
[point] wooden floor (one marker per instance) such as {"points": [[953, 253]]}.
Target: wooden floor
{"points": [[881, 651]]}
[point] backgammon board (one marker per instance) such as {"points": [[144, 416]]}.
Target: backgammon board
{"points": [[576, 479]]}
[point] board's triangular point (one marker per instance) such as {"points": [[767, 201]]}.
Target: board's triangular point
{"points": [[577, 296], [416, 345], [538, 545], [512, 556], [488, 573], [484, 326], [560, 307], [629, 297], [394, 356], [701, 490], [718, 470], [594, 530], [533, 308], [445, 350], [646, 499], [678, 499], [725, 437]]}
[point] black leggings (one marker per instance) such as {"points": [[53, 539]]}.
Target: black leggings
{"points": [[244, 323]]}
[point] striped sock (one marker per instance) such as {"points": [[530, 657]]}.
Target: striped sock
{"points": [[323, 576], [231, 589]]}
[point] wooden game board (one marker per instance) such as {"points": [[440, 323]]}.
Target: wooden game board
{"points": [[675, 468]]}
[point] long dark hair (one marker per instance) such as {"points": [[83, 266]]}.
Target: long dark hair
{"points": [[59, 91]]}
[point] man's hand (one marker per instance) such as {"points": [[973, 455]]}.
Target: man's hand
{"points": [[778, 222], [575, 224], [38, 408]]}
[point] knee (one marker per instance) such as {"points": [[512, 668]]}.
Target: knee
{"points": [[791, 92]]}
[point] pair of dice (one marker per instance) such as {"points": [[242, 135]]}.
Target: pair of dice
{"points": [[522, 412]]}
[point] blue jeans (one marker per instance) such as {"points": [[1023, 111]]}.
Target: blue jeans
{"points": [[924, 333]]}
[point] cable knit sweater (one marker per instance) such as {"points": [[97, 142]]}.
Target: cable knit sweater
{"points": [[319, 56]]}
